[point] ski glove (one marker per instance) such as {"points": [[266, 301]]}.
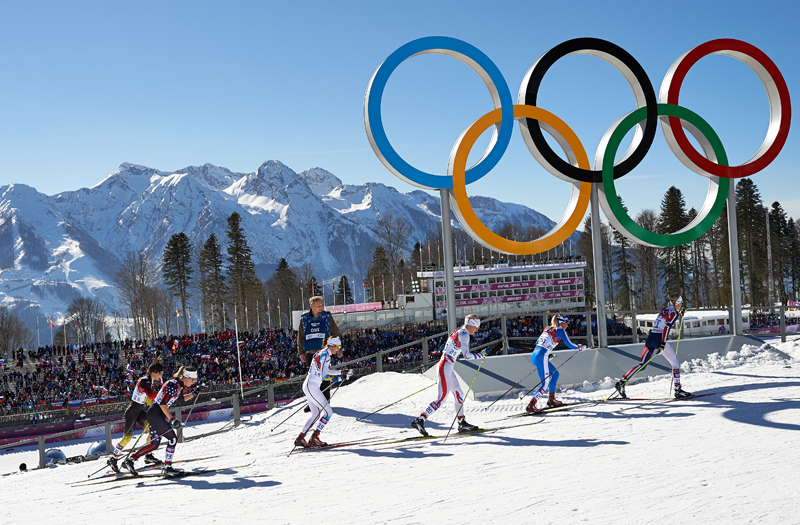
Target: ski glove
{"points": [[348, 373], [175, 423], [660, 348], [581, 348], [483, 354], [682, 310]]}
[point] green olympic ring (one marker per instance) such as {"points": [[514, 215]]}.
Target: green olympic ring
{"points": [[718, 187]]}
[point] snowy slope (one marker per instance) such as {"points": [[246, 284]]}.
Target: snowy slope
{"points": [[724, 458], [54, 248]]}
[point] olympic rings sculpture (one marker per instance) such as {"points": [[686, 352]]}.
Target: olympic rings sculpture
{"points": [[673, 118]]}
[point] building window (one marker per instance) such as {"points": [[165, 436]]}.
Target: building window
{"points": [[474, 281], [508, 278], [548, 276], [483, 294], [517, 278], [492, 280]]}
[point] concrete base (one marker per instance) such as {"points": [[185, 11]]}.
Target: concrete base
{"points": [[499, 373]]}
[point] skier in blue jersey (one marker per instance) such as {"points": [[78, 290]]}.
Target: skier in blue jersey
{"points": [[552, 335]]}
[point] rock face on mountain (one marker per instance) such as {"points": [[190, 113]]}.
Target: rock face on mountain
{"points": [[55, 248]]}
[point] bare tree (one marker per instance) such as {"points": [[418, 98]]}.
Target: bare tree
{"points": [[86, 318], [13, 333], [646, 260], [137, 274], [392, 233]]}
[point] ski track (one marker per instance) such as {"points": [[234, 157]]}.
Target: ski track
{"points": [[725, 458]]}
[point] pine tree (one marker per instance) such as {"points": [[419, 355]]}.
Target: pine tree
{"points": [[751, 225], [244, 285], [625, 269], [585, 249], [214, 290], [780, 240], [344, 292], [793, 228], [674, 267], [177, 270]]}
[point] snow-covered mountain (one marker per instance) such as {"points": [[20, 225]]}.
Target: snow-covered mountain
{"points": [[55, 248]]}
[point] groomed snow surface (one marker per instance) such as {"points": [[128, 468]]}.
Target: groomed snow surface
{"points": [[726, 458]]}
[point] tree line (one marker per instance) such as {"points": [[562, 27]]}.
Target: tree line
{"points": [[640, 277]]}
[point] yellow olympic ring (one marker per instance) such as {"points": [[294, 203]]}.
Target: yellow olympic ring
{"points": [[579, 199]]}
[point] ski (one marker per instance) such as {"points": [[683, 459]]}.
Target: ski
{"points": [[565, 406], [146, 468], [159, 476], [456, 435], [299, 450]]}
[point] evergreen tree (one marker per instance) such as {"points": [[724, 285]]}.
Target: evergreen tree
{"points": [[585, 250], [214, 289], [674, 266], [625, 269], [244, 285], [793, 231], [177, 270], [751, 225], [780, 240], [380, 273], [344, 292]]}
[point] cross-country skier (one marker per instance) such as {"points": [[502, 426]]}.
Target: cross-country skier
{"points": [[456, 346], [318, 371], [142, 395], [548, 375], [162, 422], [657, 342], [315, 326]]}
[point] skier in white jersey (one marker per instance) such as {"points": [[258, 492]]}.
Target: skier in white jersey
{"points": [[319, 369], [457, 345]]}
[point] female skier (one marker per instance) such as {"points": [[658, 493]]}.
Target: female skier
{"points": [[162, 422], [319, 370], [548, 375], [657, 342], [457, 345], [143, 394]]}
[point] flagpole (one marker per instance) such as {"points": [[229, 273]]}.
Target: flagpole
{"points": [[246, 317], [238, 355], [38, 341]]}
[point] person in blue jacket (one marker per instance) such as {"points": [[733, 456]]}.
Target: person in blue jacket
{"points": [[550, 338]]}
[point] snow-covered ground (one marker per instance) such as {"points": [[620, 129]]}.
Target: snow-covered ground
{"points": [[726, 458]]}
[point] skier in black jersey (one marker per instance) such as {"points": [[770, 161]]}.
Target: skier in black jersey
{"points": [[162, 422], [144, 392]]}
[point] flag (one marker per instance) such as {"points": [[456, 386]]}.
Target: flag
{"points": [[77, 321], [174, 345], [267, 306], [177, 312], [73, 404], [190, 312], [51, 323], [130, 369], [57, 405]]}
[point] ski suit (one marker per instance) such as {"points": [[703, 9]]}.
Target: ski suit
{"points": [[658, 335], [456, 346], [159, 425], [540, 358], [319, 371], [143, 394]]}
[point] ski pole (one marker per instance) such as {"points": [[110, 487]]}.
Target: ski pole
{"points": [[462, 399], [190, 415], [339, 384], [548, 375], [677, 346], [299, 409], [509, 390], [387, 406], [615, 394]]}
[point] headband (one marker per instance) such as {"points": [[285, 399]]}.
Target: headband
{"points": [[472, 322], [334, 341], [191, 374]]}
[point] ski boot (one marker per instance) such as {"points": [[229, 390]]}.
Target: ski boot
{"points": [[620, 386], [532, 408], [419, 424], [463, 426], [112, 462], [316, 441], [681, 393], [152, 460], [128, 465], [307, 409], [300, 441], [171, 472], [552, 402]]}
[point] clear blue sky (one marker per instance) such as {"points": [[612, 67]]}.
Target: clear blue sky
{"points": [[86, 86]]}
